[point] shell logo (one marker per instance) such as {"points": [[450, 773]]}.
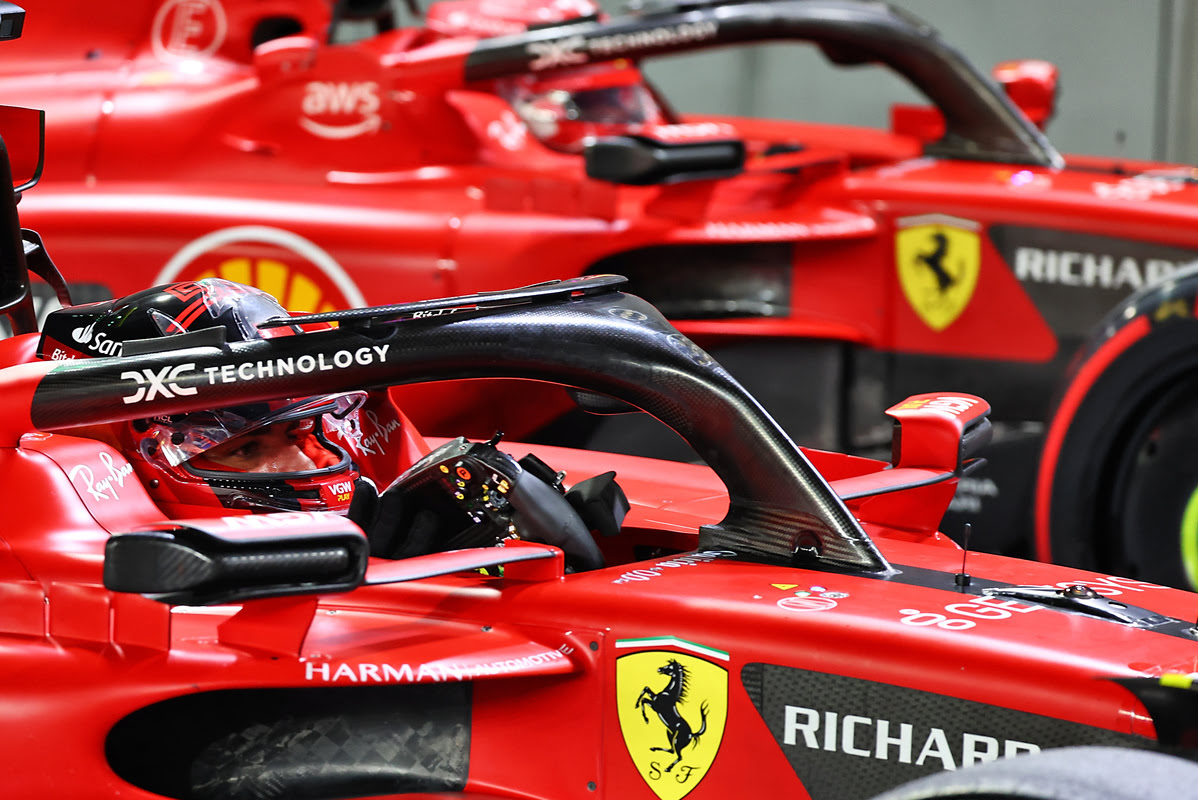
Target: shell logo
{"points": [[298, 273]]}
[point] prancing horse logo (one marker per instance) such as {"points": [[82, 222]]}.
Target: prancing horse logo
{"points": [[665, 703], [939, 260], [682, 718]]}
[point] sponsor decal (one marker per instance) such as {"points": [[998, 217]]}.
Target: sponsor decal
{"points": [[560, 53], [1076, 278], [98, 343], [105, 487], [689, 349], [806, 603], [462, 22], [508, 131], [887, 740], [435, 672], [340, 110], [294, 365], [366, 431], [1111, 585], [1090, 270], [685, 131], [785, 231], [298, 273], [690, 560], [166, 382], [850, 738], [965, 615], [945, 404], [152, 383], [277, 519], [938, 258], [673, 708], [1137, 187], [577, 49], [188, 29]]}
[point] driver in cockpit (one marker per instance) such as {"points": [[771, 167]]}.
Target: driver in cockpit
{"points": [[300, 454], [318, 453]]}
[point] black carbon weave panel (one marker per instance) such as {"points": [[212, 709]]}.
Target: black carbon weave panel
{"points": [[848, 738], [317, 744]]}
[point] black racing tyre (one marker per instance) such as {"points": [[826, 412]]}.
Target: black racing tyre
{"points": [[1123, 497], [1067, 773]]}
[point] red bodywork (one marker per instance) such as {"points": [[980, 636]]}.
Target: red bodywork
{"points": [[393, 168], [802, 682]]}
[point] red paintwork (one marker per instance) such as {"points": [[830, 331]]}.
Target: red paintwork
{"points": [[437, 188], [540, 646]]}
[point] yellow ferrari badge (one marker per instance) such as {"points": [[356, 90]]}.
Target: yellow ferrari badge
{"points": [[672, 710], [938, 259]]}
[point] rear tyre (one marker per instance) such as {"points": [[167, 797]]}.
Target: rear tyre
{"points": [[1068, 773], [1123, 494]]}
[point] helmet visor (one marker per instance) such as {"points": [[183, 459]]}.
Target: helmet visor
{"points": [[179, 439]]}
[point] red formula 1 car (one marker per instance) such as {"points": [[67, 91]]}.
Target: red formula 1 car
{"points": [[779, 622], [213, 137]]}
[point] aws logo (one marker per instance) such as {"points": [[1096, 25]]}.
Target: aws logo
{"points": [[673, 708], [938, 258], [340, 109]]}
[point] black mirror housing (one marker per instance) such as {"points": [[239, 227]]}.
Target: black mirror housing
{"points": [[230, 559]]}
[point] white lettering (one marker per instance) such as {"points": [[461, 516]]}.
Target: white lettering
{"points": [[164, 382], [1090, 270], [975, 749], [848, 733], [903, 741], [936, 746], [808, 726]]}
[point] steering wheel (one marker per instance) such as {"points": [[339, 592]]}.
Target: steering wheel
{"points": [[470, 494]]}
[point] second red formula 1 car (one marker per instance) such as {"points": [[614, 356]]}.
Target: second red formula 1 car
{"points": [[566, 624], [834, 270]]}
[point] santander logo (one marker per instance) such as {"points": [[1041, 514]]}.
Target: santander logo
{"points": [[96, 342]]}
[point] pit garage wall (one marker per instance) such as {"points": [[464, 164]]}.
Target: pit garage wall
{"points": [[1129, 72]]}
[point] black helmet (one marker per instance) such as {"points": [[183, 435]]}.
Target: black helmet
{"points": [[194, 464]]}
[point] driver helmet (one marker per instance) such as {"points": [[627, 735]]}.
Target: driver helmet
{"points": [[269, 456], [570, 108]]}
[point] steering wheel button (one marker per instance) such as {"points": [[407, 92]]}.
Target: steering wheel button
{"points": [[463, 473], [444, 468]]}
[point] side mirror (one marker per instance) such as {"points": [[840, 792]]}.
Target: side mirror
{"points": [[641, 161], [230, 559], [1032, 85], [280, 57]]}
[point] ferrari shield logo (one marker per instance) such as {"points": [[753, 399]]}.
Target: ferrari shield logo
{"points": [[672, 710], [938, 259]]}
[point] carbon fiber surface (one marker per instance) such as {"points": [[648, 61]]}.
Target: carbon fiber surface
{"points": [[298, 743], [848, 738]]}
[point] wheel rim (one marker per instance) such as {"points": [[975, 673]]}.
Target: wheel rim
{"points": [[1153, 496], [1189, 539]]}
